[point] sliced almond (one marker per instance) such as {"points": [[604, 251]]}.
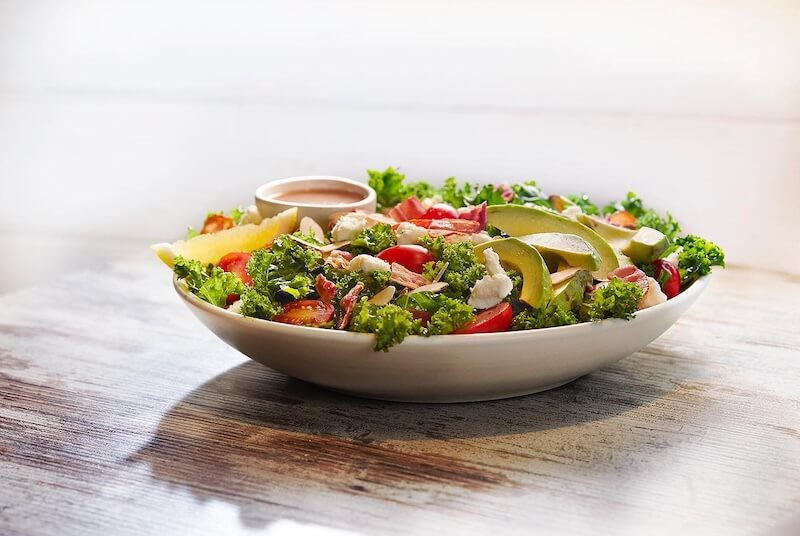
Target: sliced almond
{"points": [[327, 248], [383, 297], [557, 278], [309, 226], [433, 288], [440, 273]]}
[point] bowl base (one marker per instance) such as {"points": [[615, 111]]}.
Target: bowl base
{"points": [[444, 398]]}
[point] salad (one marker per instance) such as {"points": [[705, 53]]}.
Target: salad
{"points": [[459, 259]]}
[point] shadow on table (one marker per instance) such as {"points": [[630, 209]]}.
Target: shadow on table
{"points": [[251, 435]]}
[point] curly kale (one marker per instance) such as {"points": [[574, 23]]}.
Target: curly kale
{"points": [[696, 257], [373, 239], [618, 299], [450, 315], [209, 283], [455, 195], [390, 323], [463, 269], [545, 317], [345, 280], [258, 305], [286, 271]]}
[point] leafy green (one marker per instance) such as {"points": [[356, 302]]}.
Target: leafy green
{"points": [[455, 195], [618, 299], [390, 323], [666, 224], [373, 239], [645, 217], [584, 203], [236, 214], [288, 268], [421, 189], [191, 232], [209, 283], [388, 186], [463, 269], [491, 194], [450, 315], [696, 257], [258, 305], [545, 317], [529, 193], [346, 280]]}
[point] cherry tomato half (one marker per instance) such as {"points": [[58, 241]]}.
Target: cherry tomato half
{"points": [[668, 275], [411, 257], [305, 313], [493, 320], [439, 211], [236, 263]]}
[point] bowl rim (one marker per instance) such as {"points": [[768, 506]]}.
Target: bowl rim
{"points": [[369, 193], [694, 290]]}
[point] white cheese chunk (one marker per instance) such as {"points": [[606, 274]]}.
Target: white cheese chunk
{"points": [[349, 226], [480, 238], [493, 287], [367, 263], [408, 233], [653, 296], [251, 215]]}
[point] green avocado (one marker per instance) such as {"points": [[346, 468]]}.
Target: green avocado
{"points": [[518, 220], [560, 248], [517, 255], [646, 245], [618, 237], [569, 294]]}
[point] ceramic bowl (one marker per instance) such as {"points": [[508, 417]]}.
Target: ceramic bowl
{"points": [[446, 368], [268, 206]]}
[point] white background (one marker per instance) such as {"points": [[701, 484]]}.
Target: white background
{"points": [[123, 122]]}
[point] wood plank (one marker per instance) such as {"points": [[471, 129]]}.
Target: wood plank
{"points": [[120, 414]]}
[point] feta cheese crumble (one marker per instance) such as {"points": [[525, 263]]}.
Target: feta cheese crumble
{"points": [[367, 263], [493, 287], [408, 233], [349, 226]]}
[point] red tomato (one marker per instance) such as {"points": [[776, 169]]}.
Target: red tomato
{"points": [[215, 223], [493, 320], [305, 313], [236, 263], [439, 211], [449, 224], [411, 257], [668, 275]]}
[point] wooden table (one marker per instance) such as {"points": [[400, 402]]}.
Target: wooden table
{"points": [[121, 414]]}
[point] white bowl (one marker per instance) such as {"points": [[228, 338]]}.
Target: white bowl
{"points": [[268, 206], [446, 368]]}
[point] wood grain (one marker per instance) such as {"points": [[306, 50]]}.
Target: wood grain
{"points": [[120, 414]]}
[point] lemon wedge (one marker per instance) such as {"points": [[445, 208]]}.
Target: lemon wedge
{"points": [[209, 248]]}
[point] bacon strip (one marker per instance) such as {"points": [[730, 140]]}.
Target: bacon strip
{"points": [[403, 276], [325, 288], [631, 274], [348, 303], [339, 259]]}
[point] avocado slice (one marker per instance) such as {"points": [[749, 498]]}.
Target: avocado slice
{"points": [[618, 237], [646, 245], [518, 220], [561, 248], [570, 293], [516, 254]]}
